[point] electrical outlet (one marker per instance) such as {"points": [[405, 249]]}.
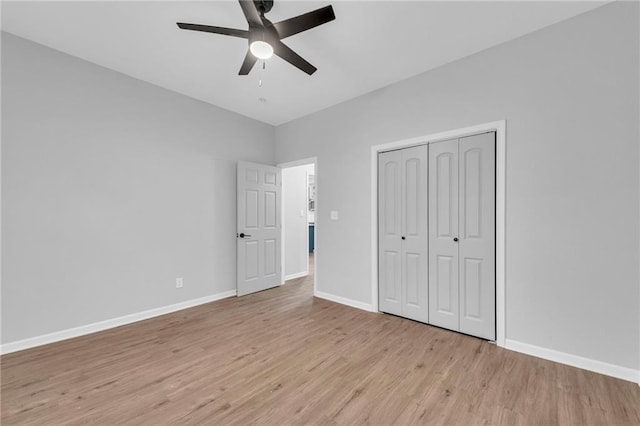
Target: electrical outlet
{"points": [[179, 282]]}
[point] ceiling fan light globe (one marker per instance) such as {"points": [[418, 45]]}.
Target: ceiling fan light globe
{"points": [[261, 49]]}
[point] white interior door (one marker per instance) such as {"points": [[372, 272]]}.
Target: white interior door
{"points": [[389, 232], [443, 234], [258, 235], [462, 235], [402, 233], [477, 235], [414, 234]]}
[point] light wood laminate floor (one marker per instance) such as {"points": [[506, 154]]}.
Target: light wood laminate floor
{"points": [[283, 357]]}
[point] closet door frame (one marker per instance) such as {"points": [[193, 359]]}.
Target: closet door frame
{"points": [[496, 126]]}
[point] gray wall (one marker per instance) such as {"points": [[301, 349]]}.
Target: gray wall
{"points": [[111, 188], [569, 94]]}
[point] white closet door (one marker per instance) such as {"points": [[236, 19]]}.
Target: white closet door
{"points": [[402, 233], [477, 235], [443, 234], [462, 235], [389, 232], [414, 234]]}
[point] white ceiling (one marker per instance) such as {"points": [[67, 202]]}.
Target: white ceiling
{"points": [[371, 44]]}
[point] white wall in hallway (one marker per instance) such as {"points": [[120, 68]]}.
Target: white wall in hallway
{"points": [[295, 219]]}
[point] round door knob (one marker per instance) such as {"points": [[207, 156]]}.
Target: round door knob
{"points": [[403, 237], [455, 239]]}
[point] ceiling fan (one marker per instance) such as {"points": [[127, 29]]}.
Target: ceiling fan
{"points": [[265, 37]]}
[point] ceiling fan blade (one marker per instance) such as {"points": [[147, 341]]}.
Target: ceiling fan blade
{"points": [[292, 57], [248, 63], [296, 25], [216, 30], [251, 13]]}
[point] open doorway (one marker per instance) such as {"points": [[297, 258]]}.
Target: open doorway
{"points": [[299, 202]]}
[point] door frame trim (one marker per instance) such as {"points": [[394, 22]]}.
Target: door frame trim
{"points": [[499, 127], [285, 165]]}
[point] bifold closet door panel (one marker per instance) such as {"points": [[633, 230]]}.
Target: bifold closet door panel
{"points": [[389, 232], [414, 233], [477, 235], [402, 233], [443, 229]]}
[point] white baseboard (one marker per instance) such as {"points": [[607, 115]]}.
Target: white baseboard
{"points": [[107, 324], [296, 275], [345, 301], [613, 370]]}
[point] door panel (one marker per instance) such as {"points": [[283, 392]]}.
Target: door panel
{"points": [[470, 194], [443, 228], [270, 267], [445, 184], [414, 228], [413, 282], [402, 233], [477, 235], [471, 288], [446, 283], [389, 237], [250, 249], [251, 175], [271, 177], [258, 217], [391, 196], [270, 209], [412, 169], [390, 284], [251, 210]]}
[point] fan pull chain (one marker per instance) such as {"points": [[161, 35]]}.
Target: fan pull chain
{"points": [[264, 63]]}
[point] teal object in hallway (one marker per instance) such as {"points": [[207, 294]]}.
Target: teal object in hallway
{"points": [[311, 237]]}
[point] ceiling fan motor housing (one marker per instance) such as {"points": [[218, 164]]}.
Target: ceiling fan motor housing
{"points": [[263, 6]]}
